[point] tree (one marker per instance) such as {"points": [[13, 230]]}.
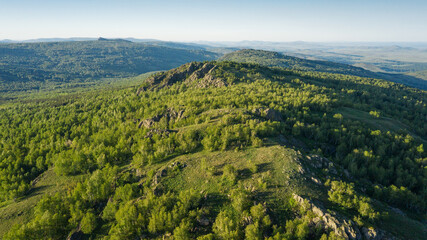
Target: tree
{"points": [[225, 227], [88, 223]]}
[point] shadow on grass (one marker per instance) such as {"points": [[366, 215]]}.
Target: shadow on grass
{"points": [[214, 201], [264, 167], [244, 174], [34, 192]]}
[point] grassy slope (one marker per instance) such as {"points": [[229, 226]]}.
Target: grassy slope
{"points": [[382, 123], [278, 166], [20, 211]]}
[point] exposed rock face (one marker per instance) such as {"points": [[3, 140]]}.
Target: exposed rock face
{"points": [[273, 115], [376, 234], [269, 114], [199, 75], [147, 123], [169, 114], [168, 78], [340, 225], [321, 162], [204, 77]]}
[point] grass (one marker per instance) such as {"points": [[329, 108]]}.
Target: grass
{"points": [[19, 212], [382, 123], [263, 158], [276, 177], [401, 225]]}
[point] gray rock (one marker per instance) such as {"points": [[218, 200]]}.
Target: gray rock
{"points": [[170, 115], [339, 224], [376, 234], [204, 221], [316, 180], [321, 162], [164, 79], [273, 115]]}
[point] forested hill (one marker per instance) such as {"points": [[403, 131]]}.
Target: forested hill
{"points": [[275, 59], [218, 150], [30, 65]]}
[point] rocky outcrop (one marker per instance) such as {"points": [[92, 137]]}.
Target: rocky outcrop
{"points": [[203, 221], [273, 115], [199, 75], [147, 123], [169, 114], [168, 78], [340, 225], [204, 77], [268, 113], [376, 234], [321, 162]]}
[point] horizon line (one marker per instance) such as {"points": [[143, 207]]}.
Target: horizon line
{"points": [[41, 39]]}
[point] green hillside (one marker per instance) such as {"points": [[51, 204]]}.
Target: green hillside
{"points": [[26, 66], [218, 150], [275, 59]]}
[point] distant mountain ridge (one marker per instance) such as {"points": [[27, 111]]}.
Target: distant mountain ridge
{"points": [[27, 65], [72, 39], [275, 59]]}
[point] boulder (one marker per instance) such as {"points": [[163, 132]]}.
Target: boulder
{"points": [[204, 221], [316, 180]]}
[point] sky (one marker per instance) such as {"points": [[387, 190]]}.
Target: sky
{"points": [[218, 20]]}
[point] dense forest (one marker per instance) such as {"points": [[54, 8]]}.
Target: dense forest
{"points": [[219, 150], [25, 66]]}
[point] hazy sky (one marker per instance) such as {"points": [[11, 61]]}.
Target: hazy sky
{"points": [[224, 20]]}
